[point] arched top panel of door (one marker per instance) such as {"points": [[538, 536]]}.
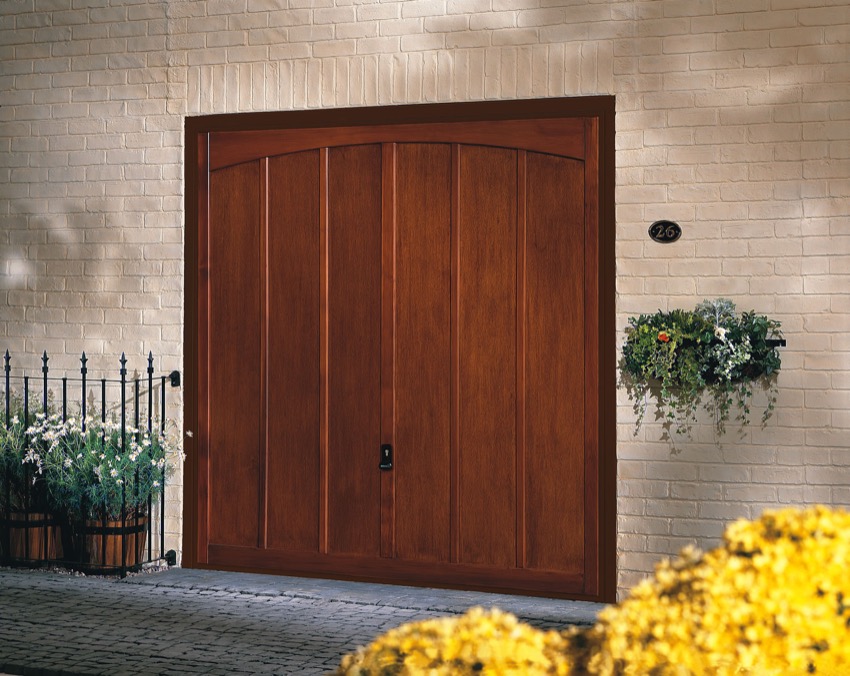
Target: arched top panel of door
{"points": [[558, 136]]}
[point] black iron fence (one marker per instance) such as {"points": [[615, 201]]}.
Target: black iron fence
{"points": [[64, 495]]}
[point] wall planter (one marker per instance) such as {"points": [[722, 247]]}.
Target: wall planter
{"points": [[710, 356]]}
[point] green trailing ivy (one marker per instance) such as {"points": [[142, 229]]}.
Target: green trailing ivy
{"points": [[711, 355]]}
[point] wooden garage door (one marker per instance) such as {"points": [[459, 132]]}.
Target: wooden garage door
{"points": [[395, 334]]}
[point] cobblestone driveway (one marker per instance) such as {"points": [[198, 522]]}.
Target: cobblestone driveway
{"points": [[206, 622]]}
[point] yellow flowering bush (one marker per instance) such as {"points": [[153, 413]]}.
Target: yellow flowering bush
{"points": [[774, 599], [479, 642]]}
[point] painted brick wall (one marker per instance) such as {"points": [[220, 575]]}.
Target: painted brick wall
{"points": [[732, 118], [91, 222]]}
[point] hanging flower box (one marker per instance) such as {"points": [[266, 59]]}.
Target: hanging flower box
{"points": [[710, 356]]}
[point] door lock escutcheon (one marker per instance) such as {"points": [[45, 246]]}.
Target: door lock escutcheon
{"points": [[386, 457]]}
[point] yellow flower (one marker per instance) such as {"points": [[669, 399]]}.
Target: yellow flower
{"points": [[482, 641], [773, 600], [769, 601]]}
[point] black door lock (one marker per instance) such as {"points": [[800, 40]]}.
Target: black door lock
{"points": [[386, 457]]}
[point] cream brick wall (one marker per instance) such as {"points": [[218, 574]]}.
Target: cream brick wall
{"points": [[732, 118]]}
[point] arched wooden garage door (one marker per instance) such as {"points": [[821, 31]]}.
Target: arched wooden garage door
{"points": [[398, 337]]}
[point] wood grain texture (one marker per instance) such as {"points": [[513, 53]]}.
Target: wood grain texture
{"points": [[555, 374], [196, 354], [487, 337], [602, 165], [263, 269], [354, 344], [293, 352], [454, 410], [559, 136], [396, 571], [521, 351], [388, 347], [234, 355], [324, 356], [423, 376], [482, 552], [596, 312]]}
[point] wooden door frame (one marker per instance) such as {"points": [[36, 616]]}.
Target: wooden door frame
{"points": [[196, 162]]}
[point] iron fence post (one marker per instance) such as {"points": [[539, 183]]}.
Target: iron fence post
{"points": [[162, 495], [27, 495], [44, 370], [7, 478], [83, 372], [45, 528], [123, 373]]}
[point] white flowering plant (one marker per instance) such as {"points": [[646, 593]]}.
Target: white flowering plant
{"points": [[22, 485], [95, 471], [16, 489], [711, 355]]}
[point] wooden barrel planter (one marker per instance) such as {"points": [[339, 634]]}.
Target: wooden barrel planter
{"points": [[108, 546], [29, 537]]}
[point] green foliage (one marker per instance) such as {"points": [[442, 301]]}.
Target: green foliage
{"points": [[21, 481], [92, 472], [15, 475], [55, 465], [710, 355]]}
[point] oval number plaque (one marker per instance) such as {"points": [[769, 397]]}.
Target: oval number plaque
{"points": [[665, 231]]}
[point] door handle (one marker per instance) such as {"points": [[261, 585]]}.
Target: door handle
{"points": [[386, 462]]}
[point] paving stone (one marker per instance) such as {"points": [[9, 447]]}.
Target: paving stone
{"points": [[209, 622]]}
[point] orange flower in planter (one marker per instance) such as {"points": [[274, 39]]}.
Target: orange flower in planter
{"points": [[663, 336]]}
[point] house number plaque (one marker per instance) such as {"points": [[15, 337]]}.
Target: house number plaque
{"points": [[665, 232]]}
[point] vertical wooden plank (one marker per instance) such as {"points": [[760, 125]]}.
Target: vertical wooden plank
{"points": [[555, 364], [606, 347], [487, 335], [522, 162], [234, 355], [324, 331], [423, 349], [200, 428], [591, 365], [354, 345], [263, 459], [454, 410], [294, 352], [388, 344]]}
